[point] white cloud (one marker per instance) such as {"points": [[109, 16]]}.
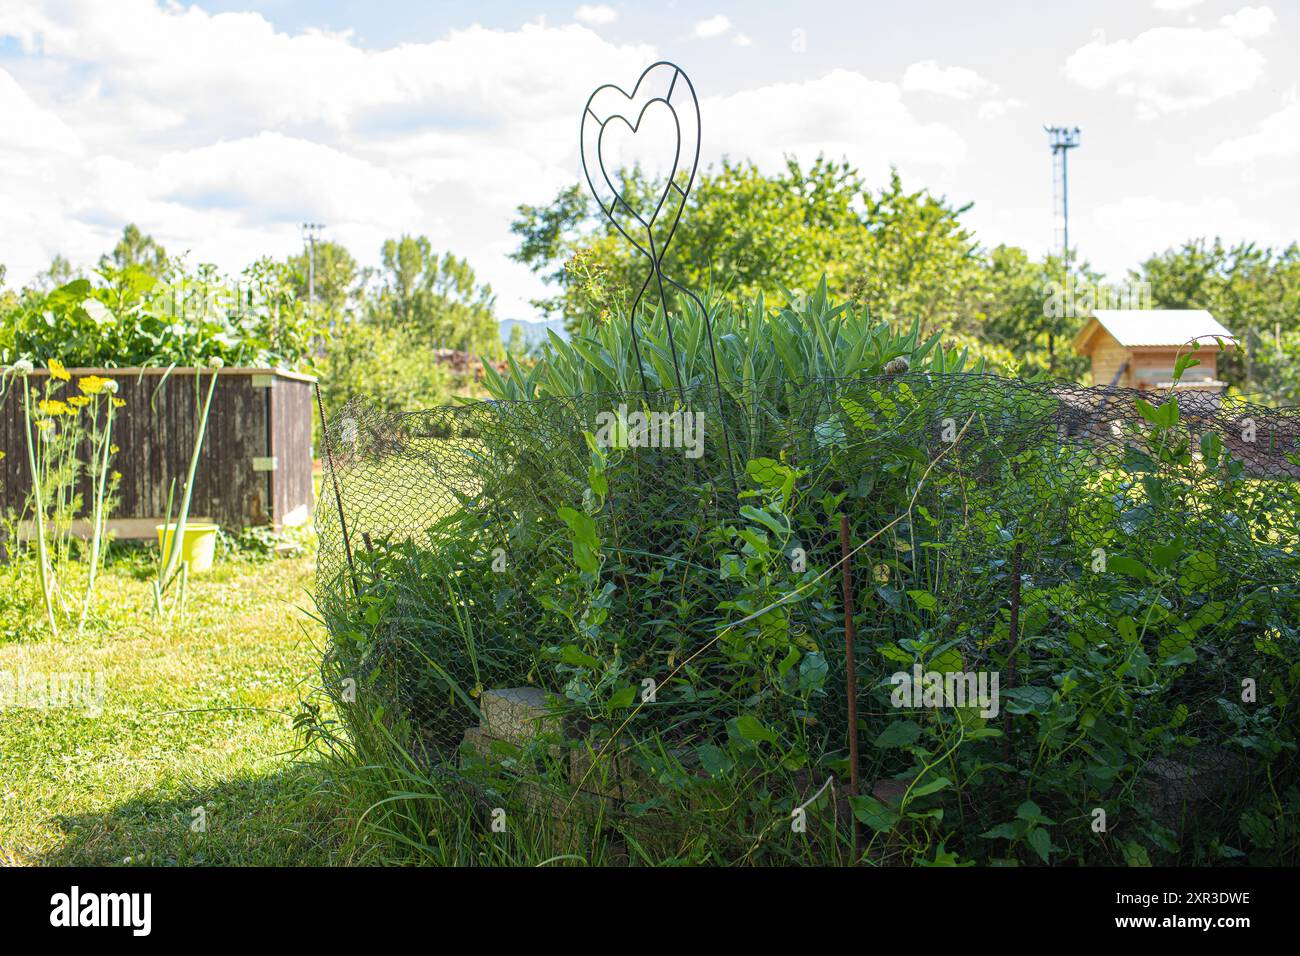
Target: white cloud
{"points": [[741, 39], [596, 15], [1275, 137], [217, 133], [234, 70], [996, 109], [275, 177], [1249, 22], [955, 82], [1132, 228], [715, 26], [1167, 69], [840, 114], [29, 127]]}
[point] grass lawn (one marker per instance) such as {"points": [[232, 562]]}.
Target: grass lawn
{"points": [[195, 715]]}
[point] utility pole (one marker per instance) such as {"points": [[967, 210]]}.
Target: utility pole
{"points": [[310, 233], [1061, 139]]}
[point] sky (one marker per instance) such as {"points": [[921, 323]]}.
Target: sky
{"points": [[220, 127]]}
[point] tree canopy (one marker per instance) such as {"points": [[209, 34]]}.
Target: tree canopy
{"points": [[904, 254]]}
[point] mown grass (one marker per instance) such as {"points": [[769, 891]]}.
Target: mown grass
{"points": [[201, 714], [198, 714]]}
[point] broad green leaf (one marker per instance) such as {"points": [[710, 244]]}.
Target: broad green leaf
{"points": [[1122, 564], [929, 787], [924, 600], [750, 728], [873, 813], [1041, 841], [714, 759], [901, 733], [622, 698]]}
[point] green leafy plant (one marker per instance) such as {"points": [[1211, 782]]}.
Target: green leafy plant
{"points": [[59, 424], [133, 318], [1119, 579], [757, 349]]}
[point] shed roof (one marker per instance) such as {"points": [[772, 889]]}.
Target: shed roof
{"points": [[1153, 328]]}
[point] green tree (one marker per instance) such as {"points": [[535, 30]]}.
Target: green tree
{"points": [[8, 308], [135, 250], [338, 282], [388, 328], [1254, 291], [60, 272], [435, 300], [391, 371], [916, 260], [1028, 307], [903, 254], [518, 345]]}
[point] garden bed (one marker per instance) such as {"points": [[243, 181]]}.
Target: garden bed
{"points": [[254, 469]]}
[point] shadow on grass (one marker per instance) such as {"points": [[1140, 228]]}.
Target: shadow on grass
{"points": [[289, 818]]}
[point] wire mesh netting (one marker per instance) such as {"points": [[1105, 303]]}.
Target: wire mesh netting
{"points": [[625, 612]]}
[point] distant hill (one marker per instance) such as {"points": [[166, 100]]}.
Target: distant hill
{"points": [[533, 331]]}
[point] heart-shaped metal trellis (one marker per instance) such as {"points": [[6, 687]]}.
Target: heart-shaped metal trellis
{"points": [[612, 110]]}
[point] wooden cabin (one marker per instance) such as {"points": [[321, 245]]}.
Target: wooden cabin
{"points": [[1138, 348]]}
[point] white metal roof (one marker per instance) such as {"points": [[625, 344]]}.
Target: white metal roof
{"points": [[1137, 328]]}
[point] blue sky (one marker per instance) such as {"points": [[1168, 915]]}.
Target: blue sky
{"points": [[220, 126]]}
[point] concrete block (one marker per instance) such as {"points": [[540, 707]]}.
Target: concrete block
{"points": [[518, 714]]}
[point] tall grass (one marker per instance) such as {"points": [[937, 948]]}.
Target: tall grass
{"points": [[170, 567], [757, 347]]}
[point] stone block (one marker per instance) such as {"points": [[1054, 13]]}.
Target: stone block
{"points": [[518, 714]]}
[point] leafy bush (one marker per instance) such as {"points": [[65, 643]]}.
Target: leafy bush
{"points": [[1111, 561], [131, 318], [389, 365], [756, 348]]}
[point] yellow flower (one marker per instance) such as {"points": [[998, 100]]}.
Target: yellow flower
{"points": [[119, 402], [113, 450], [45, 424], [52, 406], [78, 401], [116, 476], [91, 384], [58, 371]]}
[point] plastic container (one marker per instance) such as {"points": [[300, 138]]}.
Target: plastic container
{"points": [[198, 547]]}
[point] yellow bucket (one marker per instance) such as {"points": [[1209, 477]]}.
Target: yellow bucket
{"points": [[197, 548]]}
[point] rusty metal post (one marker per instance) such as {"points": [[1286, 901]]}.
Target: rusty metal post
{"points": [[850, 670]]}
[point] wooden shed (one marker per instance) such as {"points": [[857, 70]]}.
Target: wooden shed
{"points": [[256, 463], [1137, 348]]}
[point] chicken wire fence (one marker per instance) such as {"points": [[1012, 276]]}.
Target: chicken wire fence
{"points": [[631, 605]]}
